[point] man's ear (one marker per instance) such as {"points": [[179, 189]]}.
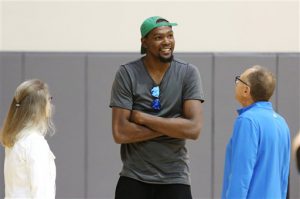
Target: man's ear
{"points": [[246, 91], [143, 42]]}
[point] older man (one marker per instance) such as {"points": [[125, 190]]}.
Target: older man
{"points": [[258, 153]]}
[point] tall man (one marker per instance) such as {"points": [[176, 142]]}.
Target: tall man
{"points": [[156, 105], [258, 153]]}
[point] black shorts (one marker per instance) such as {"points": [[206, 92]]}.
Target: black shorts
{"points": [[128, 188]]}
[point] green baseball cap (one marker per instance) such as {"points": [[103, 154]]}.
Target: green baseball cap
{"points": [[151, 23]]}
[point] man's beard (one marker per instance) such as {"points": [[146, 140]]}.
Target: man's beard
{"points": [[166, 60]]}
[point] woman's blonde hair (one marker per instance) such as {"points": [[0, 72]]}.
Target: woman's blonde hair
{"points": [[30, 107]]}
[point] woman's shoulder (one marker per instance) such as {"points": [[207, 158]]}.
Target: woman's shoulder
{"points": [[28, 141], [29, 138]]}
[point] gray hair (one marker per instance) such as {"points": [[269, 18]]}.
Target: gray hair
{"points": [[262, 83]]}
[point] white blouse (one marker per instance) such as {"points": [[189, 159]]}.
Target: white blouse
{"points": [[29, 168]]}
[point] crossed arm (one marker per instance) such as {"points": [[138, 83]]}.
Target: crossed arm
{"points": [[135, 126]]}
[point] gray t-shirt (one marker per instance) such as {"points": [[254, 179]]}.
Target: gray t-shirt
{"points": [[162, 160]]}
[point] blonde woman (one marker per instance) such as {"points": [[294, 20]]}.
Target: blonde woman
{"points": [[29, 167]]}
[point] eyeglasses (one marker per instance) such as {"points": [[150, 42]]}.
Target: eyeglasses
{"points": [[156, 102], [237, 78]]}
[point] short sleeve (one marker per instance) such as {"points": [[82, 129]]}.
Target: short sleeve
{"points": [[192, 87], [121, 95]]}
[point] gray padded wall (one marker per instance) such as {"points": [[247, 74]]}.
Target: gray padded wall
{"points": [[65, 74], [88, 160], [289, 105]]}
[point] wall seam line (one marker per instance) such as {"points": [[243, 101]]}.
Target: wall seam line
{"points": [[213, 127], [23, 60], [86, 124]]}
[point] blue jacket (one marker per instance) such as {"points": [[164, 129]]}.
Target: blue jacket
{"points": [[257, 155]]}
